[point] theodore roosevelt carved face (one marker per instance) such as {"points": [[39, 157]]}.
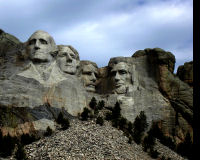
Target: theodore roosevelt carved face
{"points": [[40, 46], [121, 77], [89, 75], [68, 59]]}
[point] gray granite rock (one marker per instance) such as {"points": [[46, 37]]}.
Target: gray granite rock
{"points": [[185, 73], [40, 79]]}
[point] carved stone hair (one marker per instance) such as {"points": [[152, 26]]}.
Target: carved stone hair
{"points": [[116, 60], [82, 63]]}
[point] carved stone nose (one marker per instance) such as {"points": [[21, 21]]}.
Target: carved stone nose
{"points": [[36, 47], [93, 77], [117, 77], [69, 60], [116, 80]]}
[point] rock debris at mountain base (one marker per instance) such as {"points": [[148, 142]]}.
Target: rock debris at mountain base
{"points": [[87, 140]]}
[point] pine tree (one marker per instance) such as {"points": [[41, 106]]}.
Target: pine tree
{"points": [[116, 111], [93, 103], [185, 148], [20, 154], [130, 127], [63, 121], [7, 145], [108, 116], [48, 131], [65, 124], [59, 118], [27, 139], [100, 121], [149, 141], [85, 114], [154, 153], [100, 105], [156, 131], [140, 124], [122, 123]]}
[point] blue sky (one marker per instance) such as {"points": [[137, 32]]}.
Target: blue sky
{"points": [[101, 29]]}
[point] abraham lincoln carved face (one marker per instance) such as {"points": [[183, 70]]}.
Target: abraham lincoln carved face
{"points": [[121, 77]]}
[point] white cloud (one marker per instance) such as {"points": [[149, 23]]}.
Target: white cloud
{"points": [[103, 29]]}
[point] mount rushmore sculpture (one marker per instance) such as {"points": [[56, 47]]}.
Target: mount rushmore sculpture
{"points": [[39, 79]]}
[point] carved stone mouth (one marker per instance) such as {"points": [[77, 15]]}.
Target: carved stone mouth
{"points": [[38, 52], [119, 84], [68, 64], [91, 85], [38, 60], [90, 88]]}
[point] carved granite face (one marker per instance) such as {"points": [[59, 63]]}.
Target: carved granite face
{"points": [[88, 76], [121, 77], [39, 46], [67, 60]]}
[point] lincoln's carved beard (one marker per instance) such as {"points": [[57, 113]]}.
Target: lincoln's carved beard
{"points": [[67, 60], [121, 77], [88, 76], [40, 47]]}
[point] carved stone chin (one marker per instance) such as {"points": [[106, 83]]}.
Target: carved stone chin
{"points": [[70, 69], [40, 57], [90, 88]]}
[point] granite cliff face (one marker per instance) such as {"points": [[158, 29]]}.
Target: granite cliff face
{"points": [[39, 79], [185, 72]]}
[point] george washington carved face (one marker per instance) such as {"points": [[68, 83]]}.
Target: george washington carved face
{"points": [[40, 46]]}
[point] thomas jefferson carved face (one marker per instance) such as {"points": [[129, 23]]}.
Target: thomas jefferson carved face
{"points": [[88, 76], [39, 47], [121, 77], [67, 60]]}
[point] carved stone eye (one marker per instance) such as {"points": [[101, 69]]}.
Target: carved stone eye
{"points": [[62, 54], [88, 73], [122, 72], [113, 73], [73, 56], [31, 42], [42, 41]]}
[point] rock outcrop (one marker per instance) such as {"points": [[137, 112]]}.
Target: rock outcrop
{"points": [[40, 79], [179, 93], [8, 43], [185, 73]]}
